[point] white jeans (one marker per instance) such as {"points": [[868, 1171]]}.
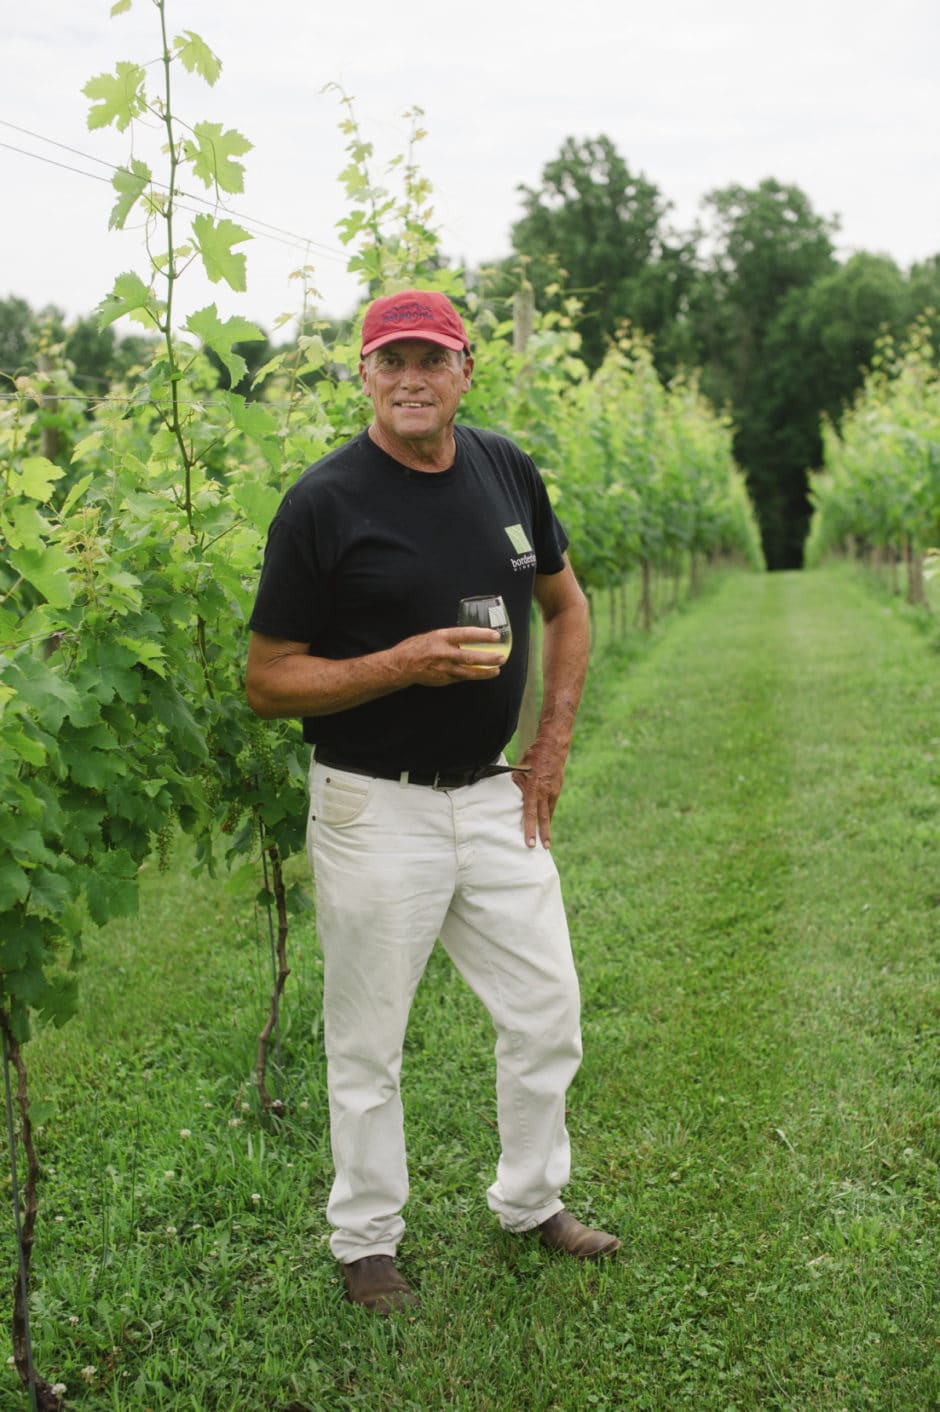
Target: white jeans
{"points": [[398, 867]]}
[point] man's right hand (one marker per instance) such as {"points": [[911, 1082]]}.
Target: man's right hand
{"points": [[446, 656]]}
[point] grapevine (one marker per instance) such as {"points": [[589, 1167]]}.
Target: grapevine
{"points": [[878, 495]]}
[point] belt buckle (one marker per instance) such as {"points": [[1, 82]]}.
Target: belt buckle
{"points": [[453, 779]]}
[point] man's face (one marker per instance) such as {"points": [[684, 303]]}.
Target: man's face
{"points": [[415, 387]]}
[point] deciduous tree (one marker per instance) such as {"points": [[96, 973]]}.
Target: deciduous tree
{"points": [[600, 224], [767, 243]]}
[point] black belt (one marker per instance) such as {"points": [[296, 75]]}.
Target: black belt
{"points": [[433, 779]]}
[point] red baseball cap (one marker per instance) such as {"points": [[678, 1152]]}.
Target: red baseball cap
{"points": [[414, 313]]}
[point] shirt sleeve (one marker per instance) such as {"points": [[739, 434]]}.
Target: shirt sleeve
{"points": [[550, 539]]}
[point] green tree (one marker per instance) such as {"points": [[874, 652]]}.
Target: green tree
{"points": [[98, 358], [17, 334], [600, 226], [821, 340], [21, 328], [91, 351], [815, 353], [923, 283], [768, 243]]}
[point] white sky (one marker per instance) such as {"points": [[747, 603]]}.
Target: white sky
{"points": [[839, 97]]}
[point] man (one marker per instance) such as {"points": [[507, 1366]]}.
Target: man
{"points": [[418, 829]]}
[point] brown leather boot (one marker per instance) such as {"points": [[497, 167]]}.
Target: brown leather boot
{"points": [[563, 1232], [374, 1283]]}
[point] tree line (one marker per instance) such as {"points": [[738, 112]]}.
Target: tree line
{"points": [[754, 298]]}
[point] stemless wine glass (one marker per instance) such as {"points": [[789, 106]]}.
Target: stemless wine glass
{"points": [[486, 610]]}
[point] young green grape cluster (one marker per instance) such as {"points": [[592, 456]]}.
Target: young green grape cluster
{"points": [[233, 816], [211, 789], [164, 843], [265, 761]]}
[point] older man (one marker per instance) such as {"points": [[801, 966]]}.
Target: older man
{"points": [[419, 831]]}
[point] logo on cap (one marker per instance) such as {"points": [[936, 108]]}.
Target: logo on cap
{"points": [[408, 315]]}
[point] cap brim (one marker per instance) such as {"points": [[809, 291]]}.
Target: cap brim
{"points": [[418, 335]]}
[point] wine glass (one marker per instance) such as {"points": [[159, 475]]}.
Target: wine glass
{"points": [[486, 610]]}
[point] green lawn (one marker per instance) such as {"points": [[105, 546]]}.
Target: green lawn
{"points": [[748, 841]]}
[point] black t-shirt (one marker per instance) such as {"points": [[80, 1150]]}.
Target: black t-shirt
{"points": [[364, 552]]}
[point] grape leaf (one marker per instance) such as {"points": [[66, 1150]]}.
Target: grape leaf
{"points": [[149, 654], [25, 746], [37, 477], [251, 417], [196, 56], [47, 569], [49, 892], [212, 156], [59, 1004], [25, 528], [49, 695], [221, 336], [25, 844], [120, 96], [129, 296], [14, 883], [259, 502], [214, 240], [111, 889], [22, 935], [174, 714], [130, 184], [81, 829], [28, 983]]}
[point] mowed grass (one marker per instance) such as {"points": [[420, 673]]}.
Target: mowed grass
{"points": [[749, 844]]}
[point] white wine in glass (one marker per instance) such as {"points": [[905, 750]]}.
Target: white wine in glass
{"points": [[487, 610]]}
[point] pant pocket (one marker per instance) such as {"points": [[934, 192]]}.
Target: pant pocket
{"points": [[338, 800]]}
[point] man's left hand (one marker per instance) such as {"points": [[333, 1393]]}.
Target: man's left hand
{"points": [[541, 786]]}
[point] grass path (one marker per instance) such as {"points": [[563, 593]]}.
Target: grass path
{"points": [[748, 840], [765, 1002]]}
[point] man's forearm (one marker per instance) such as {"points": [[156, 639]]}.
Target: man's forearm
{"points": [[565, 649], [282, 678], [293, 685]]}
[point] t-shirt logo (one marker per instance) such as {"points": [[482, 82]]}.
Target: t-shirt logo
{"points": [[518, 539]]}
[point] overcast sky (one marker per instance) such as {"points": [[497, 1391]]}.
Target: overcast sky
{"points": [[839, 97]]}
